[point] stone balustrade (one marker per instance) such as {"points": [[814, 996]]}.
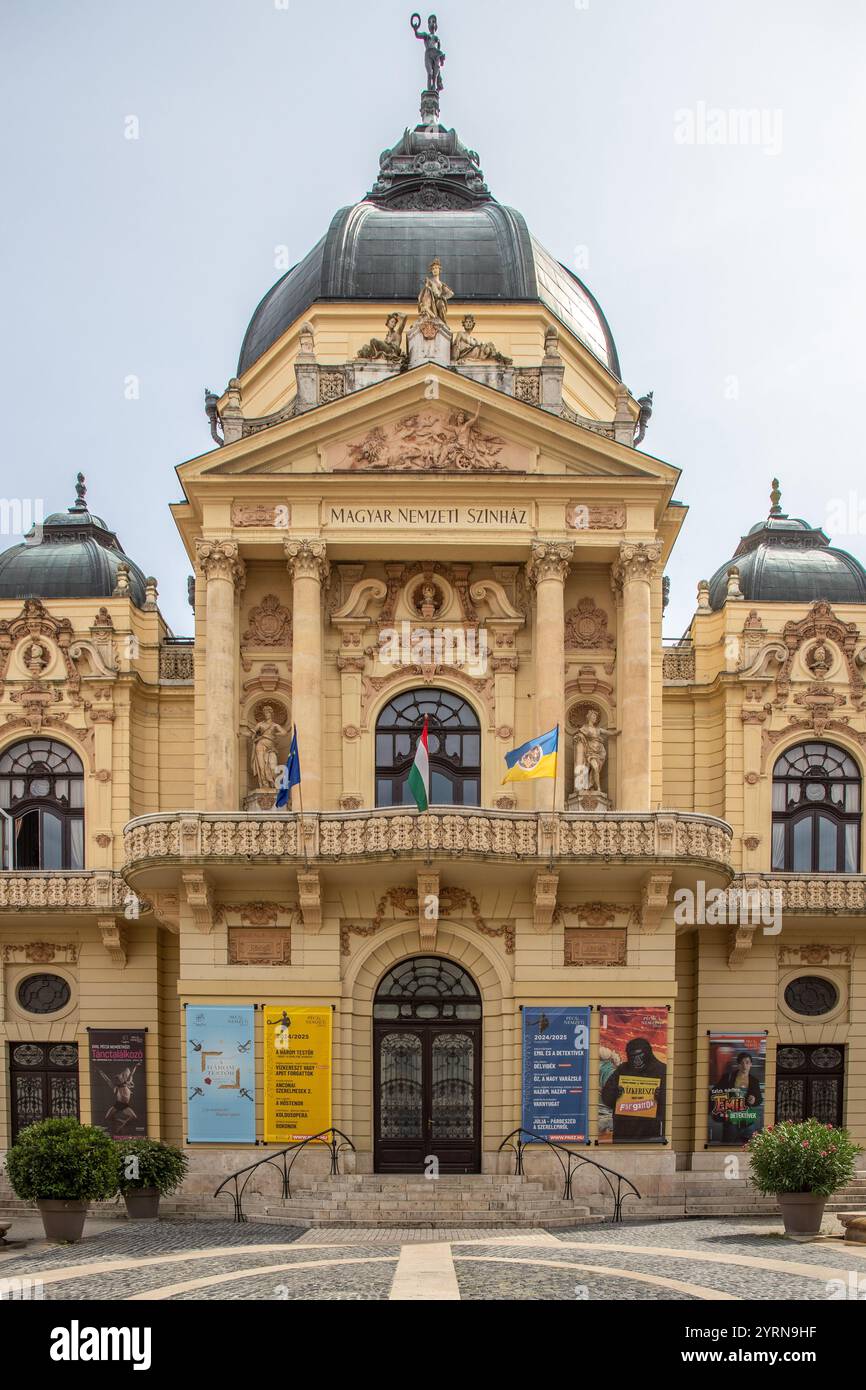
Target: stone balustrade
{"points": [[353, 837], [811, 893], [100, 890]]}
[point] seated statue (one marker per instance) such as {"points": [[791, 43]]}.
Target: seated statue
{"points": [[466, 348], [389, 348]]}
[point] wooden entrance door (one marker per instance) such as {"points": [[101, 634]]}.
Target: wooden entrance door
{"points": [[44, 1083], [427, 1079], [810, 1083]]}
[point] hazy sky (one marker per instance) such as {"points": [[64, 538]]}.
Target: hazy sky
{"points": [[728, 256]]}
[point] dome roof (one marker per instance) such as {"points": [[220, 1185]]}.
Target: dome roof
{"points": [[77, 556], [430, 200], [786, 560]]}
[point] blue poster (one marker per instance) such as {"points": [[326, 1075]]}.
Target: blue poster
{"points": [[555, 1073], [220, 1074]]}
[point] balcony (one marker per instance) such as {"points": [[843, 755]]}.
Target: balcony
{"points": [[61, 891], [841, 895], [359, 837]]}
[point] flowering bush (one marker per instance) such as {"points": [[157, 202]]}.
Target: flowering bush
{"points": [[63, 1159], [808, 1157]]}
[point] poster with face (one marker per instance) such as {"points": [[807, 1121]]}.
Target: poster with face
{"points": [[118, 1087], [736, 1094], [633, 1056]]}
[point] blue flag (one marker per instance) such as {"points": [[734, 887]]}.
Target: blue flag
{"points": [[292, 774]]}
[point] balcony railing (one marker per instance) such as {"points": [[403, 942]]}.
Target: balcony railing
{"points": [[828, 894], [362, 836], [26, 890]]}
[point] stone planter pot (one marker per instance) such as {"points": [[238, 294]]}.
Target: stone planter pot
{"points": [[802, 1212], [63, 1221], [142, 1204]]}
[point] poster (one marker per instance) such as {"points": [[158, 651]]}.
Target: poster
{"points": [[297, 1073], [118, 1084], [220, 1074], [736, 1091], [555, 1073], [633, 1071]]}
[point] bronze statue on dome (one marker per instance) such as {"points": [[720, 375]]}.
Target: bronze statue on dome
{"points": [[434, 58]]}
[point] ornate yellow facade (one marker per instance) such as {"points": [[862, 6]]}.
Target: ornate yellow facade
{"points": [[488, 528]]}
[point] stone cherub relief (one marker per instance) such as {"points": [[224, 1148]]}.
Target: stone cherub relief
{"points": [[466, 348], [430, 443], [264, 758]]}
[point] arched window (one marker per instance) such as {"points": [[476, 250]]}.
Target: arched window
{"points": [[816, 810], [42, 806], [454, 742]]}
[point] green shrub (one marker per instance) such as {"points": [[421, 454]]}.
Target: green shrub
{"points": [[147, 1163], [62, 1159], [808, 1157]]}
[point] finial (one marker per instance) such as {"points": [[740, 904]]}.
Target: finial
{"points": [[434, 59], [79, 505], [775, 499]]}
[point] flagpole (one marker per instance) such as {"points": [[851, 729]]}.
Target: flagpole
{"points": [[301, 803], [553, 807]]}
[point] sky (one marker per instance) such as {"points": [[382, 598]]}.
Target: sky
{"points": [[700, 167]]}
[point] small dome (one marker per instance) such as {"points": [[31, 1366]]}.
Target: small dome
{"points": [[430, 200], [77, 556], [785, 560]]}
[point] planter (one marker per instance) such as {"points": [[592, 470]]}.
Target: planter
{"points": [[63, 1221], [802, 1212], [142, 1203]]}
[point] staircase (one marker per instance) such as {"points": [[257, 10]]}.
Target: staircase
{"points": [[851, 1198], [407, 1201]]}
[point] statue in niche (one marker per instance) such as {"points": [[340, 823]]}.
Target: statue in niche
{"points": [[435, 294], [264, 758], [389, 348], [466, 348], [590, 753], [434, 58]]}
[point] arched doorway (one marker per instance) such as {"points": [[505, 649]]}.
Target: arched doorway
{"points": [[427, 1068]]}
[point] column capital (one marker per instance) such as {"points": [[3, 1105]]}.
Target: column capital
{"points": [[220, 560], [307, 558], [637, 561], [549, 560]]}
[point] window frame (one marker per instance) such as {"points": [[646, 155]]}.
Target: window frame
{"points": [[456, 770], [803, 810], [58, 762]]}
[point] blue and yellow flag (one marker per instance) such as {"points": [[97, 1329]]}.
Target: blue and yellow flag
{"points": [[535, 759]]}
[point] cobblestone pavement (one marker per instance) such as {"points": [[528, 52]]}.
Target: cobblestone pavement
{"points": [[739, 1260]]}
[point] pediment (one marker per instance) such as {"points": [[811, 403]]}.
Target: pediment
{"points": [[431, 422]]}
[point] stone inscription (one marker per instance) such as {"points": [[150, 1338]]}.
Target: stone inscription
{"points": [[497, 518]]}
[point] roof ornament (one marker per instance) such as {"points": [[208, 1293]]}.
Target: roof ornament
{"points": [[434, 60], [79, 505], [646, 414], [776, 499]]}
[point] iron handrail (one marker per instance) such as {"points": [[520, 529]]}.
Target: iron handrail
{"points": [[337, 1144], [573, 1160]]}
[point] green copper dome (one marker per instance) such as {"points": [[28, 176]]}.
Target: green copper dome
{"points": [[784, 559], [73, 555]]}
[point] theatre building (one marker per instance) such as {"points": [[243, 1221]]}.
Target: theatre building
{"points": [[428, 497]]}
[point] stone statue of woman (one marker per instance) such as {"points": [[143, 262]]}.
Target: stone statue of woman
{"points": [[264, 759], [590, 753], [435, 294]]}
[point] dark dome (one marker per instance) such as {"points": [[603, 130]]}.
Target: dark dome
{"points": [[784, 559], [77, 557], [430, 200]]}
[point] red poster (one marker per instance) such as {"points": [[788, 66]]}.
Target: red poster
{"points": [[633, 1069]]}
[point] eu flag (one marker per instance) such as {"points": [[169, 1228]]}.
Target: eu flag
{"points": [[291, 777]]}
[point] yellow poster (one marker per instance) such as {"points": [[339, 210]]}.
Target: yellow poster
{"points": [[297, 1073]]}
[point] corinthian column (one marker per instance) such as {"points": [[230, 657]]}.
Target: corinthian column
{"points": [[632, 577], [547, 571], [308, 565], [223, 571]]}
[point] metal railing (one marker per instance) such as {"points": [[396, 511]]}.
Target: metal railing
{"points": [[333, 1139], [569, 1166]]}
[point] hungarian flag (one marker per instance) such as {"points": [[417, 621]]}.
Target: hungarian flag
{"points": [[419, 777]]}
